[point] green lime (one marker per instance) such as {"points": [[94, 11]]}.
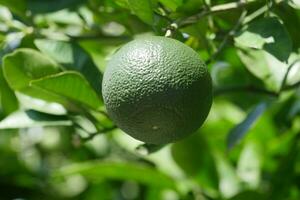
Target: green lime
{"points": [[157, 89]]}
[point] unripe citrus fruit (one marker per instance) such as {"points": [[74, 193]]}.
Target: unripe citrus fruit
{"points": [[157, 90]]}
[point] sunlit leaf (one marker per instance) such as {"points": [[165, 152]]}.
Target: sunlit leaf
{"points": [[294, 3], [70, 85], [250, 163], [73, 57], [270, 70], [24, 65], [229, 184], [5, 14]]}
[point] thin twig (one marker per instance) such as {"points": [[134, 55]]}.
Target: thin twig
{"points": [[260, 11], [92, 135], [282, 87], [214, 9], [226, 38], [255, 14], [218, 9]]}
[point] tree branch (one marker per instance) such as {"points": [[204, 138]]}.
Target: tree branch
{"points": [[99, 36], [245, 88], [226, 38], [283, 84], [212, 10], [290, 87]]}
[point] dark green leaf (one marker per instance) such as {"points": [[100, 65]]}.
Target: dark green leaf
{"points": [[238, 132], [268, 34], [16, 6], [37, 6]]}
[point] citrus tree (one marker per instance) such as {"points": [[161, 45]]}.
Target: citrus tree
{"points": [[79, 78]]}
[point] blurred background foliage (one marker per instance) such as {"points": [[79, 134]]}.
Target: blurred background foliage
{"points": [[57, 142]]}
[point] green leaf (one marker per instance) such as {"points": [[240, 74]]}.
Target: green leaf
{"points": [[73, 57], [238, 132], [97, 171], [100, 51], [172, 4], [194, 156], [143, 9], [34, 74], [62, 17], [5, 14], [8, 100], [71, 85], [250, 163], [24, 65], [16, 6], [268, 34], [31, 118], [294, 3], [31, 103]]}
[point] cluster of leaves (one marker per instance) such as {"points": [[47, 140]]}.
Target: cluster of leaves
{"points": [[52, 117]]}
